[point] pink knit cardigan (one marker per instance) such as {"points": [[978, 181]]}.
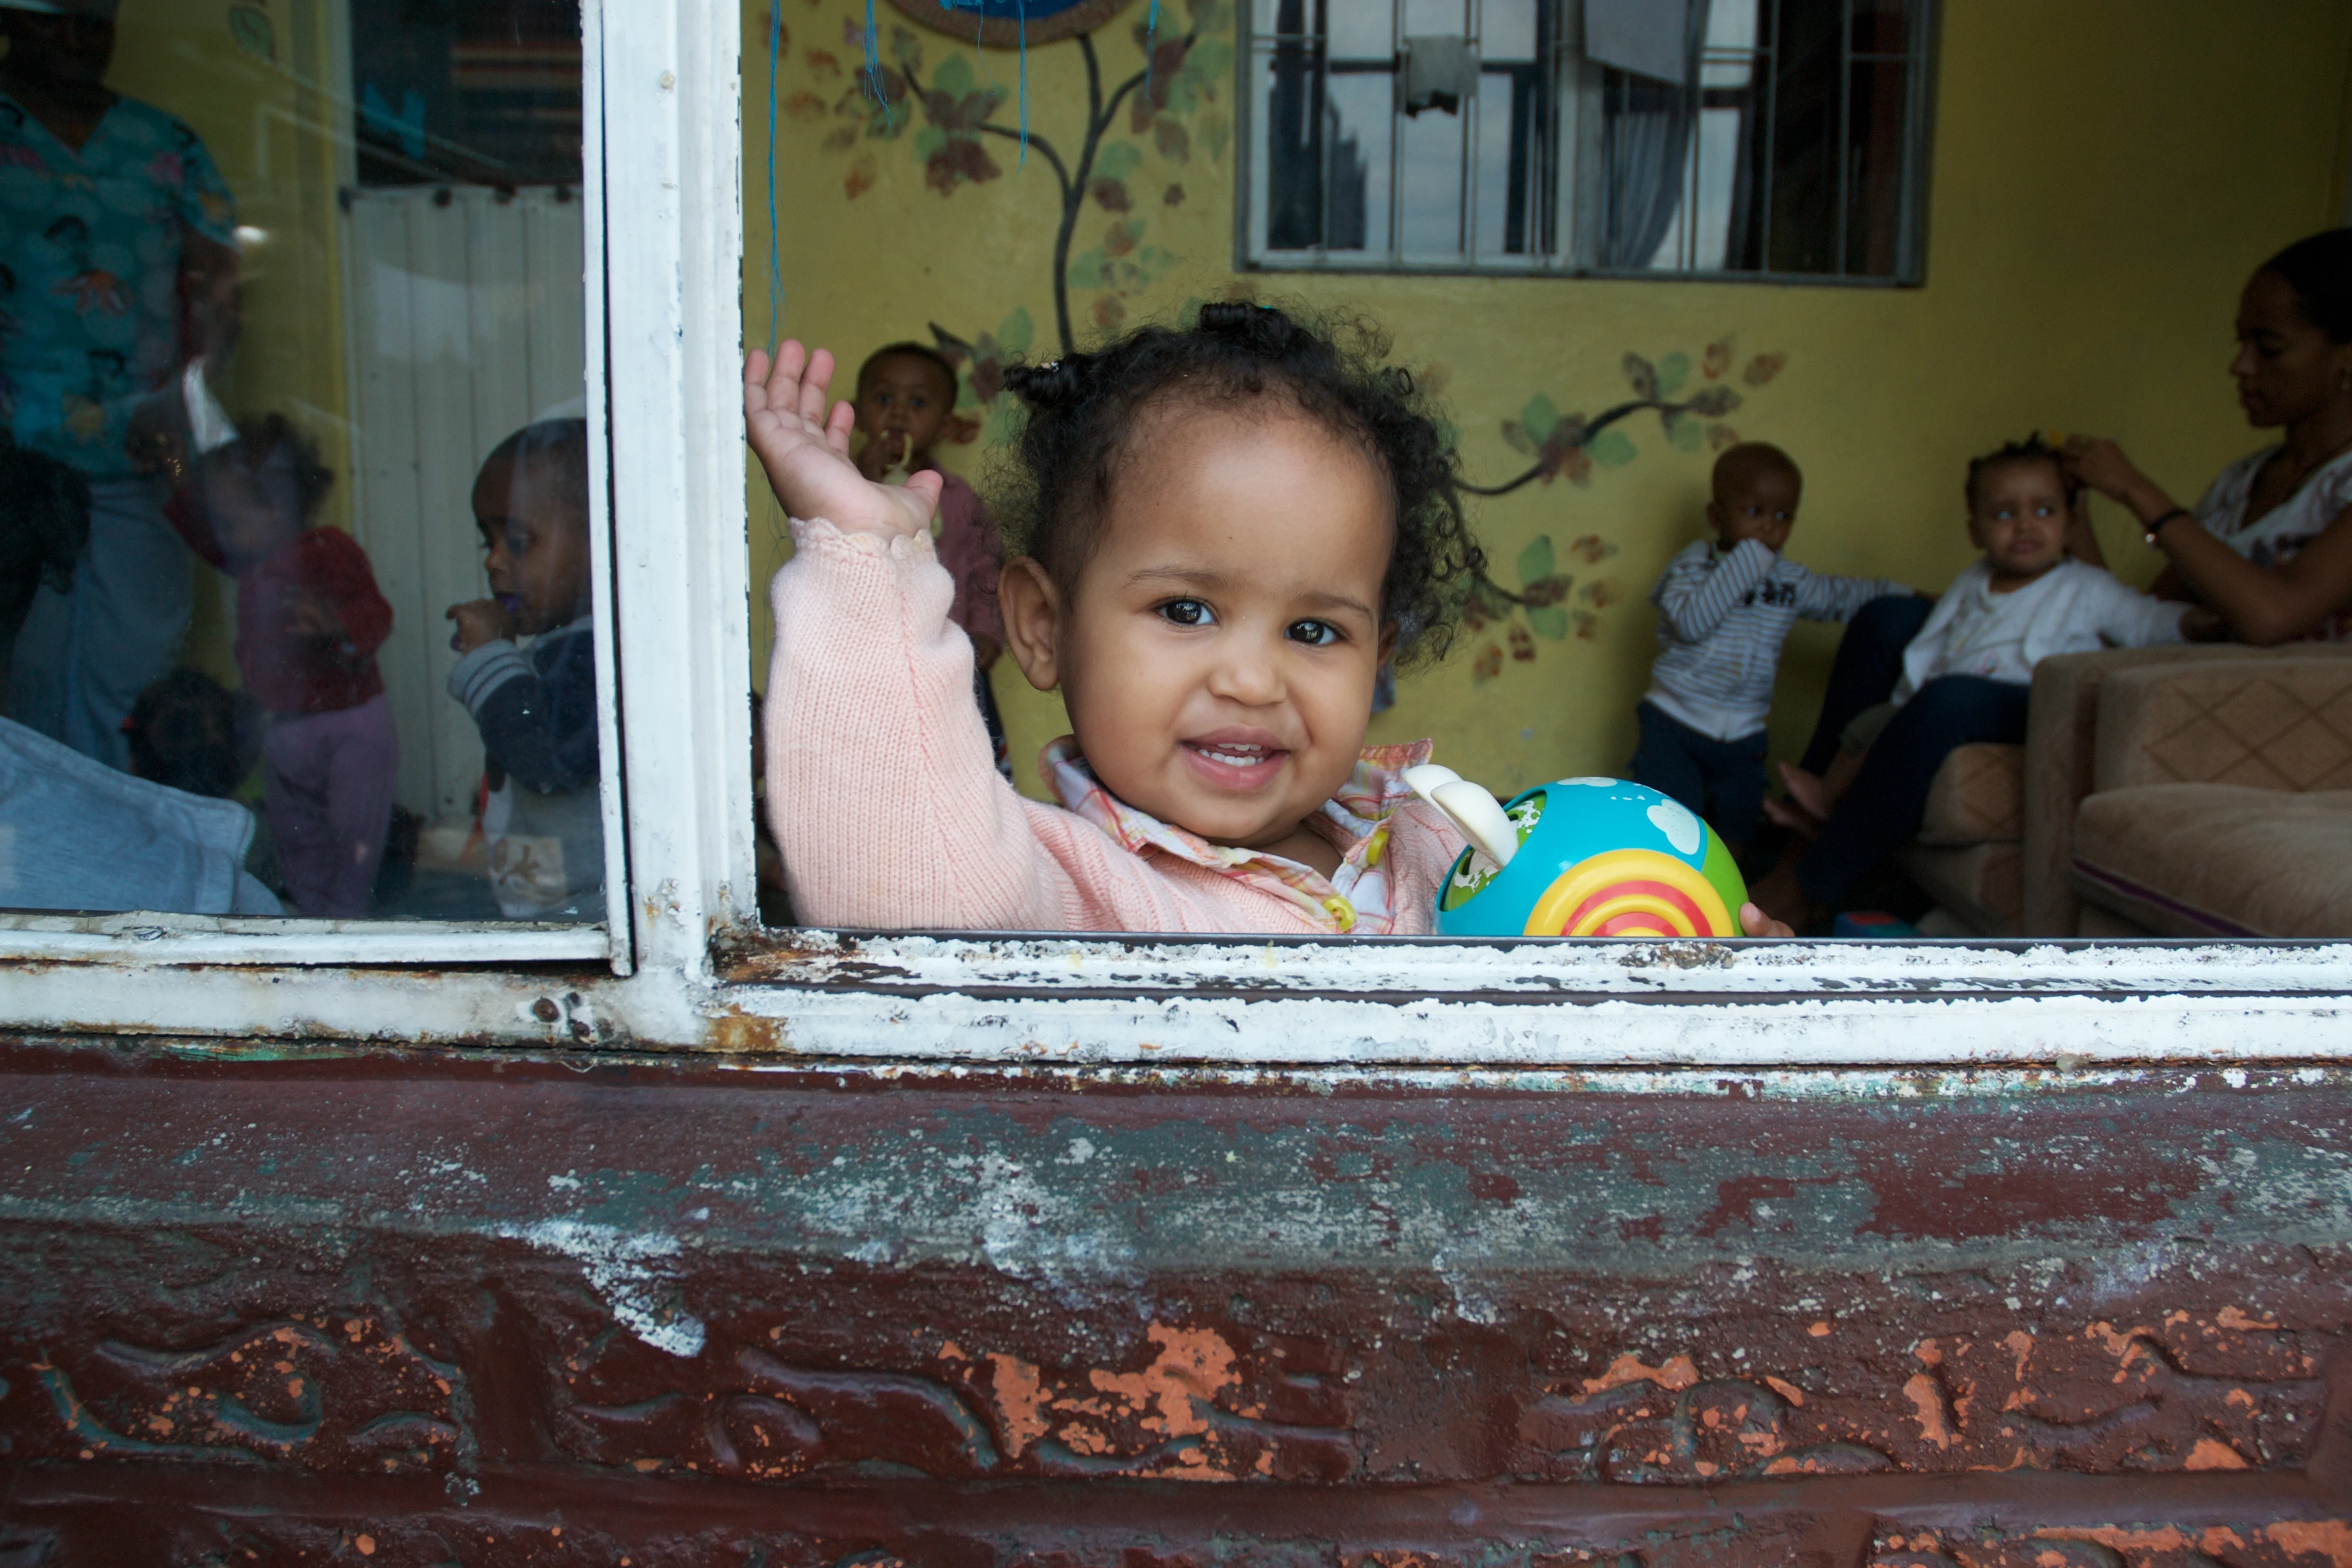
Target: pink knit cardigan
{"points": [[891, 813]]}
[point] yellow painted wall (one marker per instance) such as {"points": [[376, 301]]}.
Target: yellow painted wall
{"points": [[269, 122], [2105, 173]]}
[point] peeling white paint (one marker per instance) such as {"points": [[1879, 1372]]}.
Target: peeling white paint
{"points": [[624, 1267]]}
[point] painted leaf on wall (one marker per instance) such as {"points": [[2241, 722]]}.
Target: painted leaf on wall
{"points": [[1535, 560], [1642, 376], [1612, 449], [1539, 417], [1672, 371], [1549, 622]]}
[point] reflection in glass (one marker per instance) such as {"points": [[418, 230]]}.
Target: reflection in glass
{"points": [[292, 376]]}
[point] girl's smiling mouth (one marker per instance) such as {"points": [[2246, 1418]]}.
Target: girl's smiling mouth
{"points": [[1235, 759]]}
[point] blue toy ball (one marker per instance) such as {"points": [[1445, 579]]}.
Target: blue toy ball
{"points": [[1593, 857]]}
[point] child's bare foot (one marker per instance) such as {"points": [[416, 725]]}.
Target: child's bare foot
{"points": [[1811, 796], [1792, 817]]}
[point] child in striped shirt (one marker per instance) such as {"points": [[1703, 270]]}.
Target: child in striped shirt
{"points": [[1725, 608]]}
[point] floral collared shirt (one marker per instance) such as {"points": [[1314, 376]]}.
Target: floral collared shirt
{"points": [[1357, 900], [89, 273]]}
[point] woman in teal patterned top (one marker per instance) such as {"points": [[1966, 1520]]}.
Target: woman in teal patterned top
{"points": [[118, 267]]}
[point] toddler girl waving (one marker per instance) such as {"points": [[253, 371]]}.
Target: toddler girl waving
{"points": [[1225, 529]]}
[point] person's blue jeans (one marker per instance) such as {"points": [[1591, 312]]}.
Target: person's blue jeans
{"points": [[1722, 781], [1869, 662], [83, 656], [1882, 808]]}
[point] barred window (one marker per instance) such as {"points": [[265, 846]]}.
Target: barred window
{"points": [[1765, 138]]}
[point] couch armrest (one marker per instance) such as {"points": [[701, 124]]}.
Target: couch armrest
{"points": [[2060, 732], [2282, 722]]}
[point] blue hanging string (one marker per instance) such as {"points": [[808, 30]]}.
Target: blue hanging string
{"points": [[775, 264], [873, 64]]}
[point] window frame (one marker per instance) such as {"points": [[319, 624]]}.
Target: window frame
{"points": [[242, 940], [1911, 268], [700, 973]]}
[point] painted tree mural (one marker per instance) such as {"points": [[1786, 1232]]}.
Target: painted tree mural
{"points": [[1123, 162], [1172, 113], [1550, 603]]}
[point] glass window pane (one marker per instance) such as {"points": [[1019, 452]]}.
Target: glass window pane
{"points": [[1501, 198], [1361, 108], [1361, 29], [1726, 61], [1876, 111], [319, 354], [1507, 30], [1429, 184], [1432, 17]]}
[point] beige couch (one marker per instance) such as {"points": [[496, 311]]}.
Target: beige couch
{"points": [[2180, 791], [2220, 800]]}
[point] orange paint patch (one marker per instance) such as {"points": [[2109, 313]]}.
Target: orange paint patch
{"points": [[1820, 1328], [1928, 1409], [2328, 1538], [1788, 1390], [2239, 1397], [1677, 1374], [2231, 1318], [2123, 1343], [1193, 1366], [2213, 1454], [2020, 1345], [366, 1543], [1020, 1401]]}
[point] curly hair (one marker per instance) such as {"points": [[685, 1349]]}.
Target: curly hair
{"points": [[2032, 449], [1083, 411], [190, 733]]}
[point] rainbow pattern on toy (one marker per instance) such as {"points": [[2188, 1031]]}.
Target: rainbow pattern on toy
{"points": [[1589, 857]]}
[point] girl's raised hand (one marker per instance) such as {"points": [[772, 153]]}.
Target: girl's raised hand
{"points": [[806, 453]]}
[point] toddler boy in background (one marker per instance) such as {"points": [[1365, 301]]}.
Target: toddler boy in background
{"points": [[309, 620], [1724, 608], [905, 394], [536, 707]]}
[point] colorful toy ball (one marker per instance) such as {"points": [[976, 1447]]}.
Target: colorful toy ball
{"points": [[1589, 857]]}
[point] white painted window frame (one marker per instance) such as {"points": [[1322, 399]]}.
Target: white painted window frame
{"points": [[696, 972]]}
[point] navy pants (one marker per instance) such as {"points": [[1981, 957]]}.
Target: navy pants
{"points": [[1882, 811], [1869, 662], [1723, 781]]}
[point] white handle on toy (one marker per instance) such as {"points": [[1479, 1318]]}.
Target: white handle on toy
{"points": [[1423, 779], [1481, 821]]}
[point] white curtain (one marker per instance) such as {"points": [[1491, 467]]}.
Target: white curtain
{"points": [[1649, 106]]}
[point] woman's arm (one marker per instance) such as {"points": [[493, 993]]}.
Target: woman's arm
{"points": [[2263, 605]]}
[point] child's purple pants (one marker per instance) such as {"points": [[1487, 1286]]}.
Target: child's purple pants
{"points": [[327, 779]]}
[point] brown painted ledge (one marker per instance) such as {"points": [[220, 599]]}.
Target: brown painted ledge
{"points": [[424, 1307]]}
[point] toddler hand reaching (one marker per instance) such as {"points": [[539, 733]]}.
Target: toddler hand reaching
{"points": [[806, 452]]}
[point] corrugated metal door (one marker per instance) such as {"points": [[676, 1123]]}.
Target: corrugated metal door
{"points": [[467, 323]]}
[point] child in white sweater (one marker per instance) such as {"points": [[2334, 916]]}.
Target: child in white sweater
{"points": [[1966, 676]]}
